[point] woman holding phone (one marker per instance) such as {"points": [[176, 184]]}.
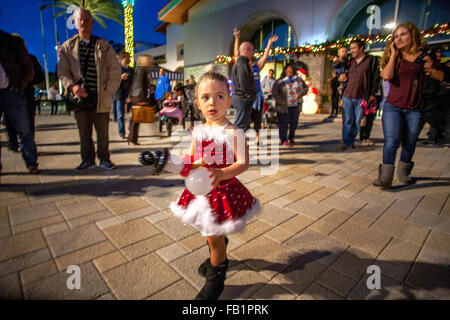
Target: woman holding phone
{"points": [[402, 121]]}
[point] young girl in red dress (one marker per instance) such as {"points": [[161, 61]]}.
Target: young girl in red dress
{"points": [[227, 207]]}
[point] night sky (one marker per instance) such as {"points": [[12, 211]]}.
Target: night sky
{"points": [[22, 17]]}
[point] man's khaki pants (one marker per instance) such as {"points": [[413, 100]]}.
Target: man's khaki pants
{"points": [[85, 120]]}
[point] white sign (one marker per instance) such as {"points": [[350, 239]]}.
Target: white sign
{"points": [[374, 19], [374, 281], [69, 23], [74, 281]]}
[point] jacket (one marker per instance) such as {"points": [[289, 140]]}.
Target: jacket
{"points": [[124, 90], [16, 61], [280, 94], [242, 79], [108, 69]]}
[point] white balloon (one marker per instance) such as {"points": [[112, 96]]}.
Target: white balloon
{"points": [[198, 182], [174, 164]]}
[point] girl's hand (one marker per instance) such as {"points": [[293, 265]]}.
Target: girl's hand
{"points": [[394, 51], [273, 39], [217, 175]]}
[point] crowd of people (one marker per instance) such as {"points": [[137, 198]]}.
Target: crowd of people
{"points": [[409, 87]]}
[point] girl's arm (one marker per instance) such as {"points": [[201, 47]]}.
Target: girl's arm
{"points": [[262, 61], [242, 160]]}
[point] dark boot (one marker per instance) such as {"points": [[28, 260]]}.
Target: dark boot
{"points": [[215, 278], [202, 268], [403, 172], [385, 176]]}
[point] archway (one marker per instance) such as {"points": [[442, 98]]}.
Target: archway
{"points": [[344, 17]]}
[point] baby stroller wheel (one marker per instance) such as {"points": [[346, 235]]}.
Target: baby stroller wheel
{"points": [[169, 127]]}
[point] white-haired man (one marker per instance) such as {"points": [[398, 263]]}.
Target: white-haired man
{"points": [[89, 69]]}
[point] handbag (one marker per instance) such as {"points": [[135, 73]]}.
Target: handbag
{"points": [[75, 103], [142, 114]]}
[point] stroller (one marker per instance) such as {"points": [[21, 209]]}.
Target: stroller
{"points": [[170, 115], [270, 114]]}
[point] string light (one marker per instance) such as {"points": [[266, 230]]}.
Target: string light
{"points": [[129, 30], [437, 30]]}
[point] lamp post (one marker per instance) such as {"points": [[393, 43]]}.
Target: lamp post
{"points": [[129, 31], [45, 53]]}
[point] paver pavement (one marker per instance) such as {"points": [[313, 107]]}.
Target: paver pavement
{"points": [[321, 226]]}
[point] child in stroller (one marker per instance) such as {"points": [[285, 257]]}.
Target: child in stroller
{"points": [[170, 115], [270, 114]]}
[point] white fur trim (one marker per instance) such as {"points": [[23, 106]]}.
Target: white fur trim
{"points": [[200, 215], [220, 135]]}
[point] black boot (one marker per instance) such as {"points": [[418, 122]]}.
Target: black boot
{"points": [[215, 278], [202, 268]]}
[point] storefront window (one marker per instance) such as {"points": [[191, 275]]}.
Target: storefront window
{"points": [[278, 27]]}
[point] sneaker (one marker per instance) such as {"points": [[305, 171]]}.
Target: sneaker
{"points": [[107, 165], [85, 166], [287, 144], [33, 170], [291, 142]]}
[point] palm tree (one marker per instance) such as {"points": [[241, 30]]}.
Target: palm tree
{"points": [[99, 9]]}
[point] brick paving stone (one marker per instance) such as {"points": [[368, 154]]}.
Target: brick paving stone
{"points": [[439, 242], [390, 290], [146, 246], [21, 216], [90, 218], [353, 263], [10, 287], [316, 246], [359, 237], [278, 234], [175, 229], [36, 224], [432, 204], [107, 223], [144, 212], [321, 194], [84, 255], [120, 206], [299, 275], [344, 204], [392, 269], [180, 290], [92, 286], [336, 282], [280, 202], [265, 255], [306, 187], [38, 272], [109, 261], [432, 278], [318, 292], [294, 196], [108, 296], [252, 231], [332, 182], [74, 239], [146, 279], [400, 229], [310, 208], [431, 256], [21, 244], [274, 215], [296, 224], [243, 285], [425, 219], [54, 228], [77, 210], [273, 292], [193, 242], [401, 252], [158, 216], [125, 234], [171, 252]]}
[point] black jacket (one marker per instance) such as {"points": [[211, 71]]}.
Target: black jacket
{"points": [[242, 79], [125, 85]]}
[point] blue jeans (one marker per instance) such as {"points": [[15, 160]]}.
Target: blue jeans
{"points": [[352, 115], [14, 105], [400, 126], [289, 119], [243, 107], [119, 112]]}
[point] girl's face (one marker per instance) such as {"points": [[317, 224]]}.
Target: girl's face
{"points": [[289, 71], [402, 38], [213, 100]]}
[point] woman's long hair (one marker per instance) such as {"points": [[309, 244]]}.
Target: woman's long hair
{"points": [[417, 42]]}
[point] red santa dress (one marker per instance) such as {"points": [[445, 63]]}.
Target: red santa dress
{"points": [[226, 209]]}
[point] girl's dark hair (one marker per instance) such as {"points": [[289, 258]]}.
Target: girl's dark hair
{"points": [[212, 76], [283, 74]]}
